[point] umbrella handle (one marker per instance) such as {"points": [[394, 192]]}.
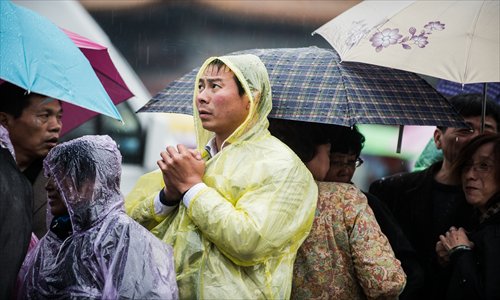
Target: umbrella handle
{"points": [[400, 138], [483, 112]]}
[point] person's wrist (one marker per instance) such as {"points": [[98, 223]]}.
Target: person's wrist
{"points": [[169, 202], [187, 187], [458, 248]]}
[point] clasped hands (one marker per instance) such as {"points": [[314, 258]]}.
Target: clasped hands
{"points": [[452, 239], [182, 168]]}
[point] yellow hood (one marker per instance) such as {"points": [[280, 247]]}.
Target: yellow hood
{"points": [[253, 76]]}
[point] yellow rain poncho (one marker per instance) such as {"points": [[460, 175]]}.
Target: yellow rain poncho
{"points": [[239, 237]]}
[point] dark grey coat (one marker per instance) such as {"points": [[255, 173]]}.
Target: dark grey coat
{"points": [[16, 198]]}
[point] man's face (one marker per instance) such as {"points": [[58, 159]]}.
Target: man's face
{"points": [[342, 167], [36, 131], [453, 139], [220, 107]]}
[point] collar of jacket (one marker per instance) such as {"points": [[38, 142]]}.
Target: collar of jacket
{"points": [[493, 209], [425, 177]]}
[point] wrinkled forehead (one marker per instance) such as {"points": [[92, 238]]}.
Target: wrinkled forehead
{"points": [[217, 70], [484, 151], [38, 102]]}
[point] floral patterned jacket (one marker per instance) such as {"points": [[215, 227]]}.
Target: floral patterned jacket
{"points": [[346, 256]]}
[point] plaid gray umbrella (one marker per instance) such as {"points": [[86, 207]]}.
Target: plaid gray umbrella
{"points": [[310, 84]]}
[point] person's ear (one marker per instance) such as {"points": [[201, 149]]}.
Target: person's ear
{"points": [[437, 138], [4, 119], [256, 99]]}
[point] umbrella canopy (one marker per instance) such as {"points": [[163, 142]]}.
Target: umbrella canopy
{"points": [[450, 88], [107, 73], [453, 40], [310, 84], [37, 56]]}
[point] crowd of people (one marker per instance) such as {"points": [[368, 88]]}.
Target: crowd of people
{"points": [[262, 208]]}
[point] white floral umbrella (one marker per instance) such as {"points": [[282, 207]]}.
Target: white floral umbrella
{"points": [[454, 40]]}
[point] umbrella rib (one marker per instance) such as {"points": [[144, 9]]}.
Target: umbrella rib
{"points": [[28, 84], [111, 79], [348, 104]]}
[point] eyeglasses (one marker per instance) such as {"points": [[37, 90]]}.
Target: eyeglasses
{"points": [[479, 167], [347, 164]]}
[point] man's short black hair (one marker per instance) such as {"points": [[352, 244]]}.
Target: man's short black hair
{"points": [[301, 137], [471, 105], [219, 64], [14, 99]]}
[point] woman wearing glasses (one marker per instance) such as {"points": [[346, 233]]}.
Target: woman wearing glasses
{"points": [[345, 256], [347, 144], [475, 258], [344, 153]]}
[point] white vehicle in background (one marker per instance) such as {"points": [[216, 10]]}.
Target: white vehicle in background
{"points": [[143, 135]]}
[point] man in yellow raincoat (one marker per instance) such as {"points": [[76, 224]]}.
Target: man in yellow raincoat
{"points": [[237, 209]]}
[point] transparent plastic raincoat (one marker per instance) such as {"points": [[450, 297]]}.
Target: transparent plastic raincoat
{"points": [[5, 141], [239, 236], [108, 256]]}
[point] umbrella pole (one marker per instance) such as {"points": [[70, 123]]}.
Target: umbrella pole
{"points": [[400, 138], [483, 112]]}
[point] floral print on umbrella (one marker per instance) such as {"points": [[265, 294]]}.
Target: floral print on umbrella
{"points": [[387, 37], [357, 31]]}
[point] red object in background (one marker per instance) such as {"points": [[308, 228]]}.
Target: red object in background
{"points": [[107, 73]]}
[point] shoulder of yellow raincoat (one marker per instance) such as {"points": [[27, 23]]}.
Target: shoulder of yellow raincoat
{"points": [[139, 202], [264, 201]]}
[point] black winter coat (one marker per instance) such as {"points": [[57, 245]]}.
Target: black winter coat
{"points": [[16, 201], [476, 273], [409, 198]]}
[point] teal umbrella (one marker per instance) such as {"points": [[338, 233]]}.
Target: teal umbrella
{"points": [[39, 57]]}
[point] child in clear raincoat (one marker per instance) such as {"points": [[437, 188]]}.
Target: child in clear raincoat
{"points": [[108, 255]]}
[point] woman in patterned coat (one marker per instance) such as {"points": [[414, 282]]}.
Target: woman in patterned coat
{"points": [[345, 256]]}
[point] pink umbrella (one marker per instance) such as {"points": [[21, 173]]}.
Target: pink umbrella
{"points": [[107, 73]]}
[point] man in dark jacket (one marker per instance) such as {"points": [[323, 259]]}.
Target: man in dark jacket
{"points": [[427, 203], [34, 124], [15, 216]]}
